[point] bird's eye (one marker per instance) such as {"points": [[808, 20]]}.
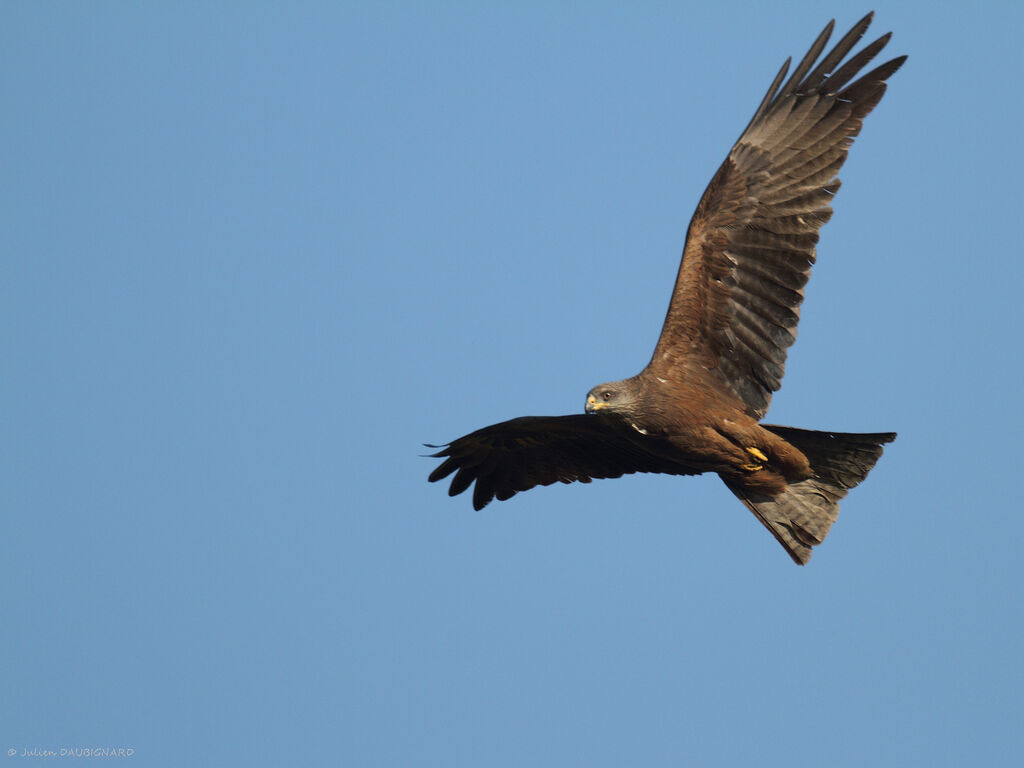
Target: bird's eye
{"points": [[606, 395]]}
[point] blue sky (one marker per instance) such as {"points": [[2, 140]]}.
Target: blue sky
{"points": [[256, 255]]}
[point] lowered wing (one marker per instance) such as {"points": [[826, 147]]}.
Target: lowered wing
{"points": [[520, 454]]}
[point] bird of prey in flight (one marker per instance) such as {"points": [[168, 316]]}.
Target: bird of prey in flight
{"points": [[733, 315]]}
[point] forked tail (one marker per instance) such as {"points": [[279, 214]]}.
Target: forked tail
{"points": [[801, 515]]}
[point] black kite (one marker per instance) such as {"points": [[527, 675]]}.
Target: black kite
{"points": [[696, 406]]}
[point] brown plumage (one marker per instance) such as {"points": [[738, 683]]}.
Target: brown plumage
{"points": [[733, 315]]}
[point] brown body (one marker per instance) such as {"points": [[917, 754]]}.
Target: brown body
{"points": [[696, 424], [698, 404]]}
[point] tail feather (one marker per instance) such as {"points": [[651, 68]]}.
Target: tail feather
{"points": [[801, 516]]}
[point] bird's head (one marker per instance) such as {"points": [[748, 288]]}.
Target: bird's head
{"points": [[613, 397]]}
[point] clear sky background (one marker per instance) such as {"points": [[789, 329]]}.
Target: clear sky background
{"points": [[254, 255]]}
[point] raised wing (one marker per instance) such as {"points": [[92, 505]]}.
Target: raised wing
{"points": [[751, 242], [520, 454]]}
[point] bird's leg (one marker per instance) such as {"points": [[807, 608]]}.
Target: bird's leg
{"points": [[743, 439], [757, 454]]}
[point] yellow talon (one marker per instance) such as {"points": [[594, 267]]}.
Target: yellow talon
{"points": [[757, 454], [761, 460]]}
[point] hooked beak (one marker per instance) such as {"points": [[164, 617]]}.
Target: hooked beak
{"points": [[593, 406]]}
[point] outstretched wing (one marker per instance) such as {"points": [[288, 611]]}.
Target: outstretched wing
{"points": [[517, 455], [751, 242]]}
